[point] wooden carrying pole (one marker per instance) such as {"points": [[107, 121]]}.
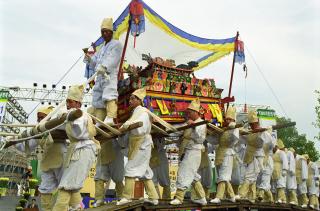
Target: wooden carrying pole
{"points": [[18, 125], [109, 127], [123, 131], [274, 127], [73, 115]]}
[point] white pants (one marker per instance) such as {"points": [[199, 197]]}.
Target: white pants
{"points": [[188, 168], [161, 173], [114, 170], [302, 188], [50, 180], [291, 182], [139, 165], [76, 173], [264, 177], [253, 169], [206, 176], [225, 169]]}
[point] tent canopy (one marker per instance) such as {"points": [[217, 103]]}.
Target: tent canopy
{"points": [[162, 39]]}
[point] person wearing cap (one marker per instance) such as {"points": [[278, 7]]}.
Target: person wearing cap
{"points": [[191, 147], [50, 163], [80, 155], [253, 158], [279, 174], [225, 156], [205, 171], [313, 183], [160, 167], [238, 170], [139, 151], [109, 166], [301, 176], [291, 178], [263, 181], [106, 62]]}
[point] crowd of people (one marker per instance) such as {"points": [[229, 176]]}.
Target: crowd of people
{"points": [[253, 167]]}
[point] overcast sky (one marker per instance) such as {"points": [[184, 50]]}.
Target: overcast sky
{"points": [[40, 40]]}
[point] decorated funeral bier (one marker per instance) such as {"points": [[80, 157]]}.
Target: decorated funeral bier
{"points": [[170, 90]]}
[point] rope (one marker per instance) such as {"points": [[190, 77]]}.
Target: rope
{"points": [[37, 135], [268, 84], [64, 75]]}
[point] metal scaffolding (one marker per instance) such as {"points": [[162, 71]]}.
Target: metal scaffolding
{"points": [[44, 95]]}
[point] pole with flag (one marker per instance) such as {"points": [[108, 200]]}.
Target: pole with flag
{"points": [[232, 69], [136, 25]]}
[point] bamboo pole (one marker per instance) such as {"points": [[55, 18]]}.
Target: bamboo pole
{"points": [[109, 127], [8, 134], [159, 130], [17, 125], [273, 127]]}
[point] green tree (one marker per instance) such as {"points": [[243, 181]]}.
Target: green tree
{"points": [[291, 138], [317, 108]]}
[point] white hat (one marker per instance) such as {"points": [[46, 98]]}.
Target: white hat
{"points": [[231, 113], [45, 109], [195, 105], [280, 144], [140, 93], [107, 23], [252, 116], [76, 93]]}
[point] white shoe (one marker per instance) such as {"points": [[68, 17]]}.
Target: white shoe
{"points": [[98, 203], [293, 203], [202, 201], [152, 201], [237, 197], [108, 120], [304, 206], [124, 201], [76, 208], [175, 202], [215, 201], [233, 199], [311, 206]]}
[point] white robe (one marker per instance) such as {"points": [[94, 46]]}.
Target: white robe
{"points": [[161, 172], [302, 188], [206, 172], [264, 177], [291, 174], [313, 188], [282, 181], [188, 168], [238, 170], [115, 169], [139, 165], [225, 169], [253, 168], [49, 179], [109, 57], [82, 158]]}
